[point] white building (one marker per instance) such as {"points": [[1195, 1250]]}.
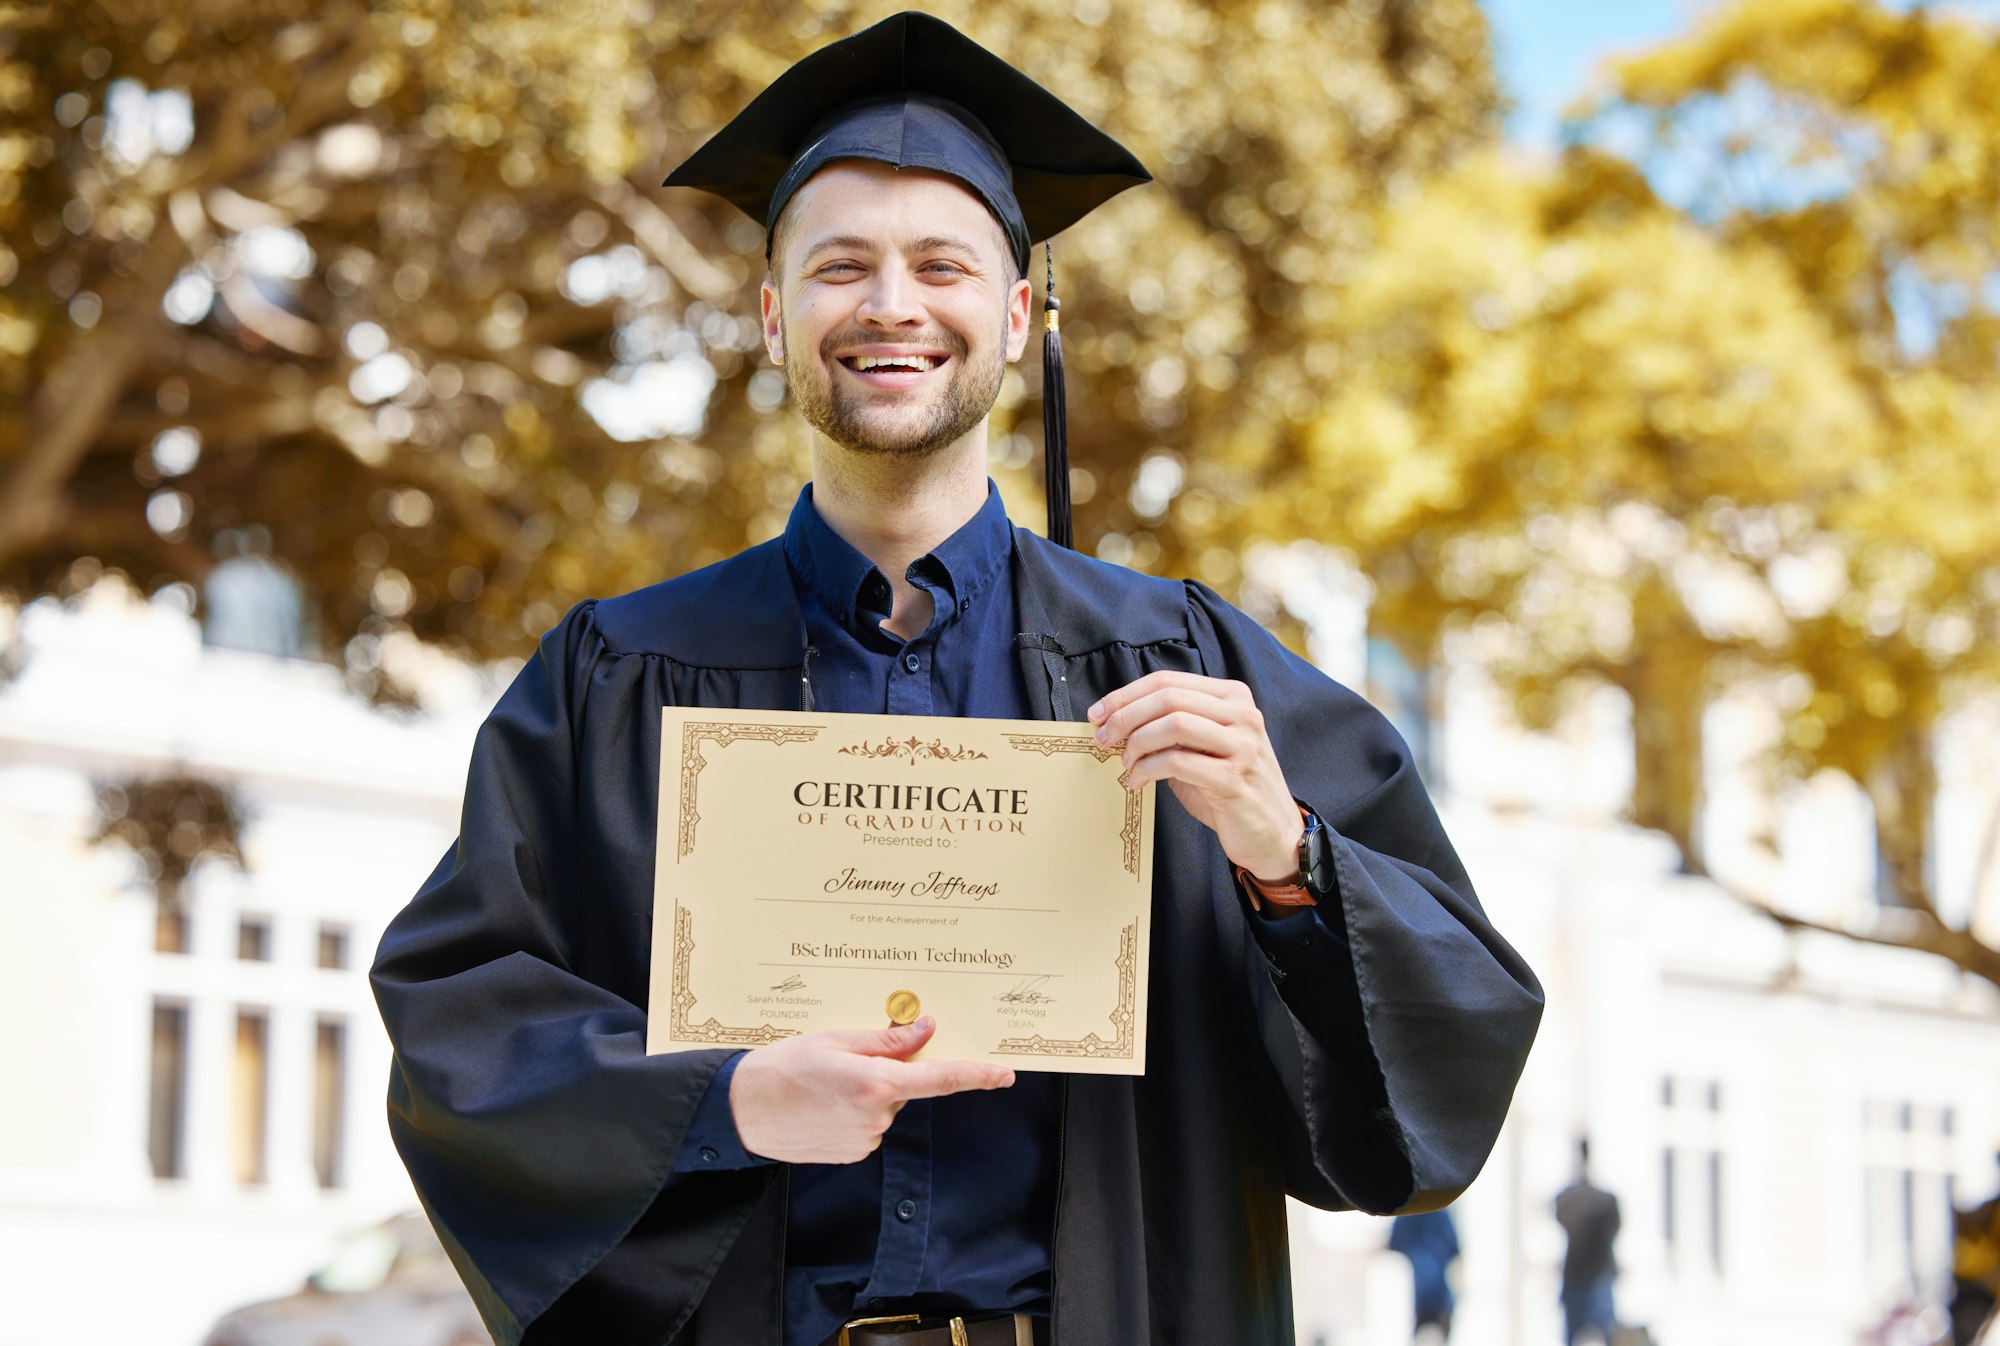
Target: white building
{"points": [[1785, 1118], [195, 1111], [187, 1130]]}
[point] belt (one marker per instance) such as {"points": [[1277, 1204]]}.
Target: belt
{"points": [[910, 1329]]}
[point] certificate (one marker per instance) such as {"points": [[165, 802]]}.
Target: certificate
{"points": [[849, 871]]}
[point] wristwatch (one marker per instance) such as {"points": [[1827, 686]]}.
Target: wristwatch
{"points": [[1315, 877]]}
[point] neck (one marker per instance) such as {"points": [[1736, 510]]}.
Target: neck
{"points": [[893, 509]]}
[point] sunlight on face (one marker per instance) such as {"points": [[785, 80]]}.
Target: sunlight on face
{"points": [[894, 307]]}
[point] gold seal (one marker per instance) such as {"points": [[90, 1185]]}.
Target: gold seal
{"points": [[904, 1007]]}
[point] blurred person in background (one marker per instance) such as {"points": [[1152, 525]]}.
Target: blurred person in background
{"points": [[1589, 1216], [1430, 1242], [1975, 1269], [1336, 1018]]}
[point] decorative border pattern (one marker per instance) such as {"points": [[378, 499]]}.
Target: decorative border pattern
{"points": [[683, 1001], [913, 748], [1049, 744], [1092, 1045], [696, 733]]}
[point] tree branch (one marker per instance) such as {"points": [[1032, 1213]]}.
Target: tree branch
{"points": [[76, 399], [1983, 876], [658, 234], [1923, 933]]}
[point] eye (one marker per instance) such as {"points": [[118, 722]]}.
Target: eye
{"points": [[840, 268]]}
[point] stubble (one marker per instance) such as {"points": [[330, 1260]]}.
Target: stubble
{"points": [[867, 423]]}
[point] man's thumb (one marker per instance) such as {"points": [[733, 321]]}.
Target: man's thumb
{"points": [[897, 1040]]}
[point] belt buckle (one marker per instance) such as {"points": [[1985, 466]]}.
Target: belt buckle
{"points": [[959, 1337], [870, 1322]]}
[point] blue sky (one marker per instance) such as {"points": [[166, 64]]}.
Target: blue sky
{"points": [[1545, 50]]}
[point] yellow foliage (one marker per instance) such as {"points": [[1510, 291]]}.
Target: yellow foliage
{"points": [[1622, 442]]}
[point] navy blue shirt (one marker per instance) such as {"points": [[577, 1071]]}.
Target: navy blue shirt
{"points": [[956, 1210]]}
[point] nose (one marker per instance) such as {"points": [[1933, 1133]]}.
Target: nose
{"points": [[891, 299]]}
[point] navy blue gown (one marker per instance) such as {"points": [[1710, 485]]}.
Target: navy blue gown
{"points": [[1374, 1073]]}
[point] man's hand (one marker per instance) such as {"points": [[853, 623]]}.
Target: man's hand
{"points": [[1205, 737], [826, 1098]]}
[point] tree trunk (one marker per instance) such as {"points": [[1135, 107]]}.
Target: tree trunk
{"points": [[1903, 789], [1668, 687]]}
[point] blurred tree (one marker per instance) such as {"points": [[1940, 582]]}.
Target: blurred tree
{"points": [[1862, 145], [394, 283], [1673, 446], [171, 824]]}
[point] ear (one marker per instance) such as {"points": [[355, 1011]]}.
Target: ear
{"points": [[1020, 318], [774, 322]]}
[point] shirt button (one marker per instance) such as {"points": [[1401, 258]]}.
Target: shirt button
{"points": [[708, 1155], [906, 1210], [964, 603], [911, 662]]}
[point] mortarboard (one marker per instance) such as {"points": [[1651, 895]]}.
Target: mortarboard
{"points": [[914, 92]]}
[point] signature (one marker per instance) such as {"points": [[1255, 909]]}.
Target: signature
{"points": [[1028, 991], [791, 984]]}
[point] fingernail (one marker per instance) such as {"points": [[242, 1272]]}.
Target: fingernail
{"points": [[1095, 711], [1103, 733]]}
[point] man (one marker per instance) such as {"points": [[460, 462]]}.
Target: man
{"points": [[1330, 1012], [1430, 1241], [1975, 1269], [1589, 1216]]}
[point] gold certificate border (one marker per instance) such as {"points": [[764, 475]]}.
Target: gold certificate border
{"points": [[697, 732], [1135, 800], [724, 733], [710, 1030], [1120, 1047]]}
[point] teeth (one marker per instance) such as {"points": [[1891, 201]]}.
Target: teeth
{"points": [[924, 363]]}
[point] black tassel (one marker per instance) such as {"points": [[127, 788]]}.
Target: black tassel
{"points": [[1055, 428]]}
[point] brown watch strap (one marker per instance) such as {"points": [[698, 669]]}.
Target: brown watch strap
{"points": [[1275, 892], [1261, 892]]}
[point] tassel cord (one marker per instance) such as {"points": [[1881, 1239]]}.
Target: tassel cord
{"points": [[1055, 428]]}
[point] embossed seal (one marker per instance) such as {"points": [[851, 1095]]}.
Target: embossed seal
{"points": [[904, 1007]]}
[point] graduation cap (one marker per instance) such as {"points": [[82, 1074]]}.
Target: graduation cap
{"points": [[914, 92]]}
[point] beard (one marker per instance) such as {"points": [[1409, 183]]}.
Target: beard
{"points": [[893, 424]]}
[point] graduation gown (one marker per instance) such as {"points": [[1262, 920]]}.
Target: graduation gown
{"points": [[540, 1137]]}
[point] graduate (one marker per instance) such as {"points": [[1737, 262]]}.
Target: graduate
{"points": [[1331, 1013]]}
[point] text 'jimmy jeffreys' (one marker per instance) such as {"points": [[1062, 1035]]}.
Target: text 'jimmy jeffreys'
{"points": [[937, 885]]}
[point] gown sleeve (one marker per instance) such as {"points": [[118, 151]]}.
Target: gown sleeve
{"points": [[535, 1128], [1399, 1023]]}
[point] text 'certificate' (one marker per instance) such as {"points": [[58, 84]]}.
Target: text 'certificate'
{"points": [[847, 871]]}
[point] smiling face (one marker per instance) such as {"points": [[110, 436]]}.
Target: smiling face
{"points": [[893, 307]]}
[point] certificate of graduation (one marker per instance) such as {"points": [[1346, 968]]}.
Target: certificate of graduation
{"points": [[850, 871]]}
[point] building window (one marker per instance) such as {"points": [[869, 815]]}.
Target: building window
{"points": [[333, 946], [166, 1121], [1909, 1195], [1693, 1188], [253, 939], [249, 603], [170, 926], [329, 1100], [1402, 692], [250, 1096]]}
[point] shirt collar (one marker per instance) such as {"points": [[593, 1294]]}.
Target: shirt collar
{"points": [[834, 572]]}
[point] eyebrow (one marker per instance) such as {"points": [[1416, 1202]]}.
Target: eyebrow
{"points": [[935, 243]]}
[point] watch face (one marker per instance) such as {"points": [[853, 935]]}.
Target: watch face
{"points": [[1318, 865]]}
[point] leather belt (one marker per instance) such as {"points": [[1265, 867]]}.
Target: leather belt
{"points": [[909, 1329]]}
